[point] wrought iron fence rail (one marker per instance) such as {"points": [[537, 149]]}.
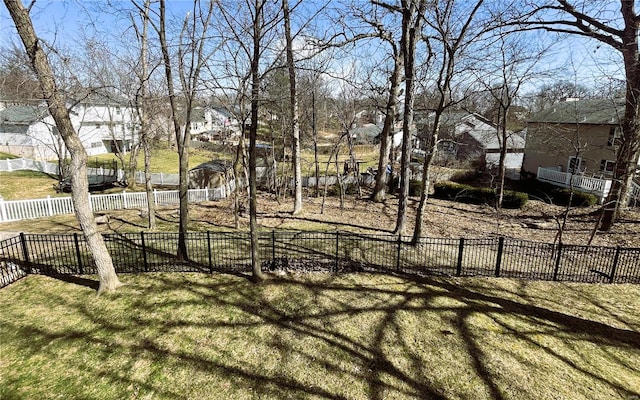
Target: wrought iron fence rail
{"points": [[210, 252]]}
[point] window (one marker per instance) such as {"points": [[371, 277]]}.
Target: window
{"points": [[607, 166], [614, 136], [448, 147], [575, 165]]}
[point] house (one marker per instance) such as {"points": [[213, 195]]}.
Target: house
{"points": [[213, 124], [103, 126], [575, 141], [471, 139]]}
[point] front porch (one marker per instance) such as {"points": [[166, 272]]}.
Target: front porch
{"points": [[597, 186]]}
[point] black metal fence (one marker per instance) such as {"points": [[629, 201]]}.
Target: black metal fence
{"points": [[68, 254]]}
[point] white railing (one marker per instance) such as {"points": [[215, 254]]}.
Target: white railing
{"points": [[16, 210], [596, 186]]}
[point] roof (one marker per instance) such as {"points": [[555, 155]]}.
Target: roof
{"points": [[593, 112], [22, 114], [214, 165], [368, 130], [490, 139]]}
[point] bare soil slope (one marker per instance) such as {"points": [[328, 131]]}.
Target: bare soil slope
{"points": [[538, 221]]}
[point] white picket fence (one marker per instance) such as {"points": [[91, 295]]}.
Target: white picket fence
{"points": [[16, 210]]}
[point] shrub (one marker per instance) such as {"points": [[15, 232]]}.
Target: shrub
{"points": [[415, 187], [557, 195], [579, 199], [473, 195]]}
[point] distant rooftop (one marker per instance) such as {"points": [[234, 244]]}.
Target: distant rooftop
{"points": [[593, 112]]}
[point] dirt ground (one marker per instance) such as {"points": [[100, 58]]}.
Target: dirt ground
{"points": [[538, 221]]}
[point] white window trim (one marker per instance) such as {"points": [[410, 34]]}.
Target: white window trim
{"points": [[580, 163]]}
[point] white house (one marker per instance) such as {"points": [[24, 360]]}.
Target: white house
{"points": [[103, 127], [211, 119]]}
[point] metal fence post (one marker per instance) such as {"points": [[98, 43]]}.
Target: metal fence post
{"points": [[25, 252], [499, 256], [557, 267], [77, 243], [460, 252], [209, 249], [144, 251], [337, 249], [616, 260], [273, 246], [398, 251]]}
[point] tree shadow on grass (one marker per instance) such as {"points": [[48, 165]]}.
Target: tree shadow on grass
{"points": [[78, 280], [338, 328]]}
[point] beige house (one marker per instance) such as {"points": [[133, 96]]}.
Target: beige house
{"points": [[578, 136], [575, 143]]}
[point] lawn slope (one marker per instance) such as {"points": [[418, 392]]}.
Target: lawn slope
{"points": [[196, 336]]}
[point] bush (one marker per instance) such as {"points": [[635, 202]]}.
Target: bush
{"points": [[415, 187], [557, 195], [579, 199], [473, 195]]}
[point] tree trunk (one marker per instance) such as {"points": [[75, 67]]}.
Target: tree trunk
{"points": [[181, 140], [386, 136], [627, 157], [79, 183], [502, 139], [258, 275], [430, 154], [411, 26], [295, 118], [314, 128]]}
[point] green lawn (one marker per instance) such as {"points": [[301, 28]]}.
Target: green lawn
{"points": [[321, 336]]}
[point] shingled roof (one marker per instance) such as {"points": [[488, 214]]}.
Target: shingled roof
{"points": [[593, 112]]}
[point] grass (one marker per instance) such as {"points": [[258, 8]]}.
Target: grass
{"points": [[193, 336], [18, 185], [7, 156], [164, 159]]}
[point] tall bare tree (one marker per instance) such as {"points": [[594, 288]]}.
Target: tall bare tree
{"points": [[412, 21], [192, 56], [452, 28], [619, 30], [515, 59], [57, 108], [142, 104], [295, 117], [390, 110]]}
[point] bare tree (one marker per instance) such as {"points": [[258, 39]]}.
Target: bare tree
{"points": [[142, 104], [17, 81], [390, 112], [412, 13], [249, 30], [79, 183], [514, 66], [295, 117], [191, 58], [598, 21], [452, 28]]}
